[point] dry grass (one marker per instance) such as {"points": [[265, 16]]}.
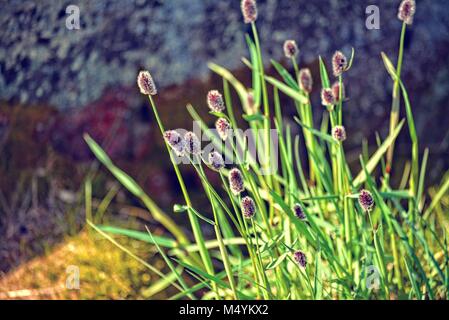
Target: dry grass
{"points": [[106, 272]]}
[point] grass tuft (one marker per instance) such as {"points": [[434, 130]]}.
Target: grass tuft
{"points": [[298, 232]]}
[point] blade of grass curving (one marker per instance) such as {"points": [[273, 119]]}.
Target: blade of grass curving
{"points": [[318, 286], [204, 274], [374, 160], [160, 285], [324, 76], [177, 275], [292, 93], [142, 236], [422, 178], [104, 204], [131, 185], [257, 88], [203, 284], [444, 190], [411, 276], [118, 245], [351, 59], [300, 226], [429, 253], [285, 75], [208, 277], [199, 215], [319, 134]]}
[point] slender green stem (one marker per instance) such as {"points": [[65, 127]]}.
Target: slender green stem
{"points": [[265, 104], [259, 256], [340, 100], [244, 233], [222, 247], [295, 67], [197, 233], [394, 117]]}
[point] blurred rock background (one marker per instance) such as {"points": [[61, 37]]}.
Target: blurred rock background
{"points": [[56, 83], [43, 62]]}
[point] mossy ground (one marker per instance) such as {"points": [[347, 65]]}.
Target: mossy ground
{"points": [[106, 272]]}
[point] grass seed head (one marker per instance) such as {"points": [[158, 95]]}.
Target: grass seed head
{"points": [[290, 49], [146, 83], [216, 161], [366, 200], [299, 212], [251, 103], [339, 63], [222, 125], [339, 133], [327, 97], [192, 143], [300, 258], [249, 10], [236, 181], [407, 11], [248, 207], [305, 80], [336, 90], [175, 141], [215, 101]]}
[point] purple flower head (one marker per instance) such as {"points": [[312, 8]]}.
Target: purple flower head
{"points": [[222, 125], [366, 200], [251, 107], [146, 83], [298, 211], [327, 97], [216, 161], [236, 181], [290, 49], [192, 143], [300, 258], [305, 80], [175, 141], [339, 63], [339, 133], [249, 10], [407, 11], [248, 207], [215, 101], [336, 90]]}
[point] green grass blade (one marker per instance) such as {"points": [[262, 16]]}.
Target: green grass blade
{"points": [[326, 137], [257, 87], [443, 191], [131, 185], [324, 76], [142, 236], [374, 160], [170, 264], [285, 75], [292, 93]]}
